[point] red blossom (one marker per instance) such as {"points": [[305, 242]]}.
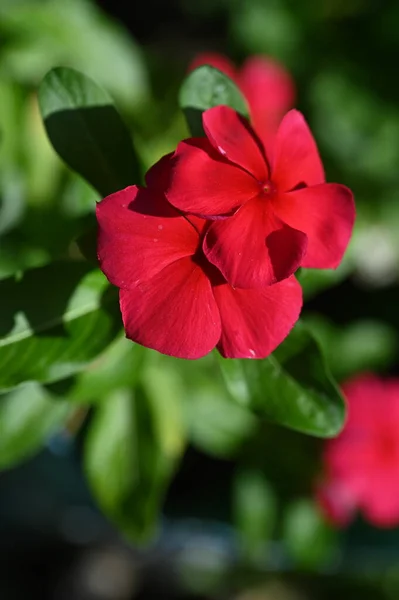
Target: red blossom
{"points": [[171, 298], [270, 215], [266, 84], [362, 464]]}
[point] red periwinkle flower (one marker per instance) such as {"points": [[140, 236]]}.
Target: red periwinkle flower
{"points": [[265, 83], [270, 215], [171, 298], [362, 463]]}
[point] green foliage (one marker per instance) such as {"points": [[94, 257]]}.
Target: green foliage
{"points": [[204, 88], [28, 417], [118, 367], [62, 351], [87, 131], [292, 387], [37, 36], [307, 537], [361, 345], [217, 425], [54, 321], [255, 509], [129, 459]]}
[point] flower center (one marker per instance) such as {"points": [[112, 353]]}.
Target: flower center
{"points": [[267, 188]]}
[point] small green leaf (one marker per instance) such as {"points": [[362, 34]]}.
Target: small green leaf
{"points": [[28, 416], [127, 463], [307, 537], [87, 131], [292, 387], [255, 510], [161, 382], [204, 88], [54, 321]]}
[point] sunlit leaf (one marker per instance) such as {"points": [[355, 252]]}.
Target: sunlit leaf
{"points": [[118, 367], [204, 88], [28, 417], [292, 387], [126, 462], [54, 321], [36, 35]]}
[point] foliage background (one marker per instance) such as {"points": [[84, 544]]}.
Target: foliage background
{"points": [[235, 493]]}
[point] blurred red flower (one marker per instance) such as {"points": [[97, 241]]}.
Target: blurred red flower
{"points": [[171, 298], [266, 84], [272, 212], [362, 464]]}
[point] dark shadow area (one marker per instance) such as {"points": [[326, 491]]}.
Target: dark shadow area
{"points": [[95, 142], [42, 295]]}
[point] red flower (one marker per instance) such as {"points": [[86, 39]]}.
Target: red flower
{"points": [[266, 84], [362, 463], [171, 298], [280, 212]]}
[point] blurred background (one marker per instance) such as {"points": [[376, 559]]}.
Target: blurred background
{"points": [[238, 518]]}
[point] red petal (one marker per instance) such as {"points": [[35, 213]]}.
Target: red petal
{"points": [[296, 158], [175, 312], [270, 91], [326, 213], [157, 177], [253, 248], [203, 184], [232, 136], [255, 322], [337, 502], [380, 504], [214, 60], [139, 235], [267, 85]]}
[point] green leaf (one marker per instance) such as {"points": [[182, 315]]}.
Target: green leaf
{"points": [[126, 463], [255, 511], [359, 346], [204, 88], [36, 35], [307, 537], [165, 392], [54, 321], [117, 367], [87, 131], [292, 387], [216, 425], [11, 201], [28, 417]]}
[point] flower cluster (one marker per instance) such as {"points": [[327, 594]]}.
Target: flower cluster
{"points": [[205, 255], [362, 464]]}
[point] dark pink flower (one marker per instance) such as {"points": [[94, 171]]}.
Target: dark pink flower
{"points": [[171, 298], [266, 84], [270, 215], [362, 464]]}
